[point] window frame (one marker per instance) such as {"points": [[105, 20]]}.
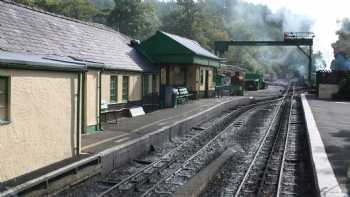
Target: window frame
{"points": [[202, 76], [125, 89], [113, 97], [7, 93], [146, 83], [154, 83]]}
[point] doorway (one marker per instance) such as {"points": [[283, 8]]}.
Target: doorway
{"points": [[206, 91]]}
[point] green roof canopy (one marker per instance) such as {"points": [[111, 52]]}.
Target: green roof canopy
{"points": [[165, 48]]}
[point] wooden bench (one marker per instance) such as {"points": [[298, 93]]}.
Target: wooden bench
{"points": [[183, 95], [112, 112]]}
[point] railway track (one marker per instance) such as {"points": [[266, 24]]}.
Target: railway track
{"points": [[143, 179], [261, 176], [169, 185], [295, 177], [279, 167], [269, 157], [185, 160]]}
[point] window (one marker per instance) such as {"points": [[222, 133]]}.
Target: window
{"points": [[4, 95], [180, 77], [154, 83], [114, 89], [202, 77], [146, 83], [125, 88]]}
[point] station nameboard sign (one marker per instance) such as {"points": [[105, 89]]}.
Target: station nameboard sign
{"points": [[137, 111]]}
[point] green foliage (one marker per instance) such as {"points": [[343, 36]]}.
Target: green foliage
{"points": [[134, 18], [79, 9], [103, 4], [194, 20], [205, 21], [25, 2]]}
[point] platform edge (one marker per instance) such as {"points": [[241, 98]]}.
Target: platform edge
{"points": [[326, 181]]}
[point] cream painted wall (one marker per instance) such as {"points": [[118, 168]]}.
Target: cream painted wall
{"points": [[211, 75], [135, 86], [120, 88], [193, 78], [105, 88], [43, 118], [91, 98]]}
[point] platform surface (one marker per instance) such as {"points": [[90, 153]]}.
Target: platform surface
{"points": [[333, 123], [130, 128]]}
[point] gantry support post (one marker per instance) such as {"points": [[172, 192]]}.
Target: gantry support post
{"points": [[309, 56], [310, 65]]}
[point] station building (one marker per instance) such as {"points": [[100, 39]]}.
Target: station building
{"points": [[59, 77], [40, 123], [40, 112], [182, 62]]}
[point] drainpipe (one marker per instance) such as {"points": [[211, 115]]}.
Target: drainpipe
{"points": [[142, 88], [99, 100], [83, 102], [78, 113]]}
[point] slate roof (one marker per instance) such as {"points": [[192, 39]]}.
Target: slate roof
{"points": [[28, 61], [28, 30], [192, 45]]}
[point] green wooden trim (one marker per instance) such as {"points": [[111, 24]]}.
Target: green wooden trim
{"points": [[125, 90], [91, 129], [205, 62], [146, 83], [113, 89], [6, 94], [162, 49], [2, 122]]}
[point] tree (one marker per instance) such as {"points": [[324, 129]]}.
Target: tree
{"points": [[103, 4], [134, 18], [25, 2], [79, 9], [194, 20]]}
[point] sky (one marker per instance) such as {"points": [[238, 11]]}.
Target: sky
{"points": [[324, 13]]}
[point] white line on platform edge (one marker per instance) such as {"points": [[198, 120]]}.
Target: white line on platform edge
{"points": [[327, 182]]}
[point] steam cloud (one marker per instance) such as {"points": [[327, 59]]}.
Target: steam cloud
{"points": [[343, 43], [260, 20], [342, 48]]}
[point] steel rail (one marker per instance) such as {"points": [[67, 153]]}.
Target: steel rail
{"points": [[203, 148], [279, 186], [279, 135], [244, 109], [191, 158], [246, 175]]}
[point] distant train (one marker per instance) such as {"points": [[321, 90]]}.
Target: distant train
{"points": [[254, 81], [234, 80]]}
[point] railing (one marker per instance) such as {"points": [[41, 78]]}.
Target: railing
{"points": [[298, 35]]}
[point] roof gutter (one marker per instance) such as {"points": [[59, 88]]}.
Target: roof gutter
{"points": [[40, 67]]}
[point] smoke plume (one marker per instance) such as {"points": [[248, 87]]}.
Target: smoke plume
{"points": [[343, 43]]}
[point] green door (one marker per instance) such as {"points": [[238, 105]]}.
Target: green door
{"points": [[206, 93]]}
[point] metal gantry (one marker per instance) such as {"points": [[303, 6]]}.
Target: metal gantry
{"points": [[298, 39]]}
